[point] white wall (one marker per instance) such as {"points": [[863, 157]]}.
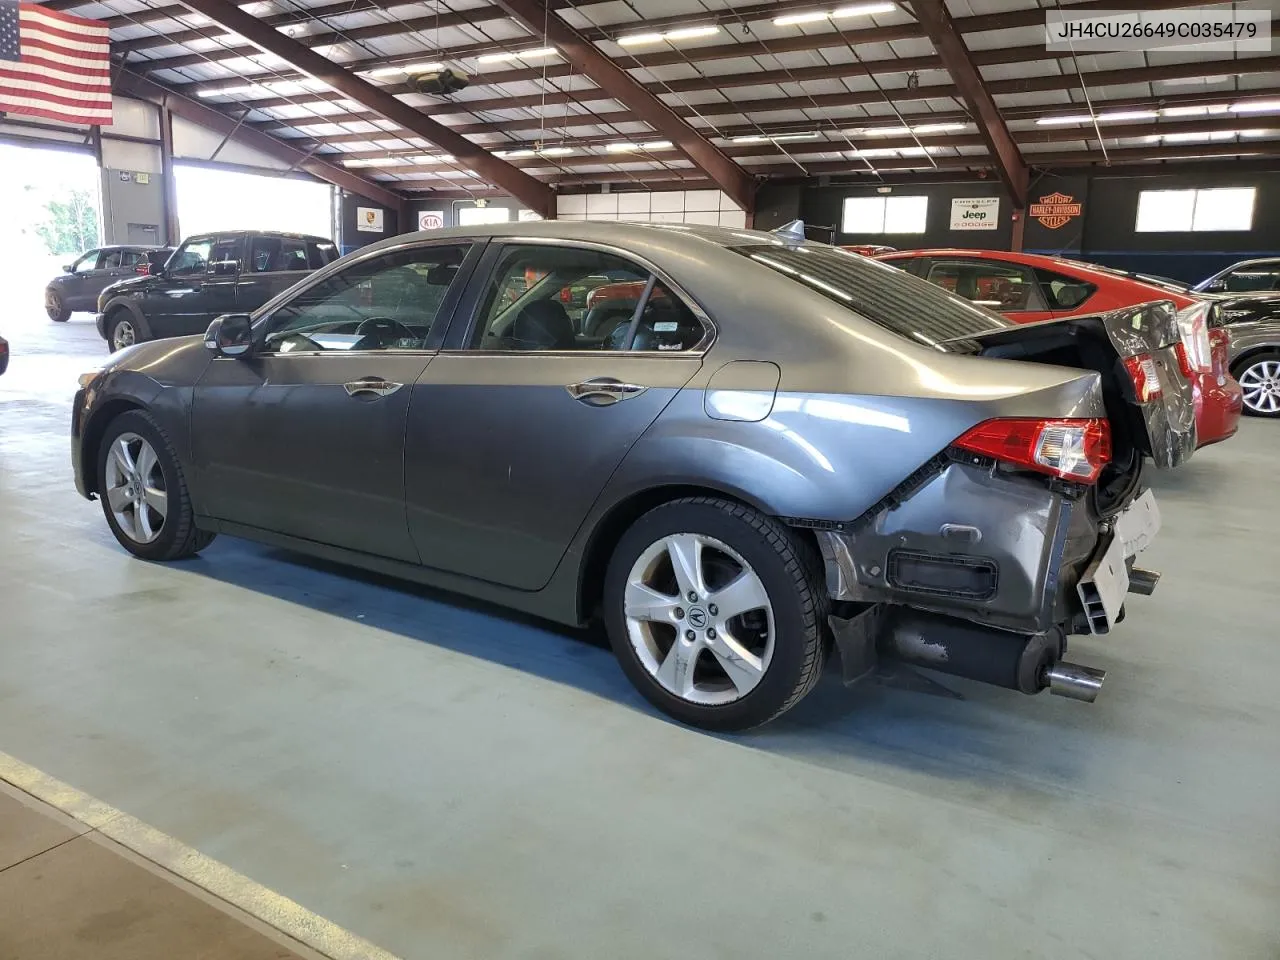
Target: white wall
{"points": [[711, 207]]}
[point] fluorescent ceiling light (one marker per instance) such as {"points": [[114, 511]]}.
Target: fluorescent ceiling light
{"points": [[894, 152], [817, 16], [402, 68], [1193, 137], [777, 138], [938, 127], [1257, 106], [670, 36], [231, 90], [1053, 121], [517, 55], [513, 153], [634, 147], [1194, 111], [791, 19], [530, 152], [556, 151], [1128, 115], [904, 131], [375, 162]]}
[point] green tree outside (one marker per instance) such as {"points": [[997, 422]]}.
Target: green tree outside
{"points": [[71, 225]]}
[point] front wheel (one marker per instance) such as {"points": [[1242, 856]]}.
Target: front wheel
{"points": [[143, 492], [1259, 378], [714, 611], [122, 331], [56, 308]]}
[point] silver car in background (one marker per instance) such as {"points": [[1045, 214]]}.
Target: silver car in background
{"points": [[777, 450]]}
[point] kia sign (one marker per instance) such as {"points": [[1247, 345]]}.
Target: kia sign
{"points": [[975, 213], [430, 220]]}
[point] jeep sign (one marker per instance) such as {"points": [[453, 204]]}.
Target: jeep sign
{"points": [[975, 213]]}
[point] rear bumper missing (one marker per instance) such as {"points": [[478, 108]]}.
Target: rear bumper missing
{"points": [[969, 541]]}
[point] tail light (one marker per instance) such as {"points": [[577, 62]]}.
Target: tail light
{"points": [[1071, 449], [1146, 377], [1194, 352], [142, 269], [1220, 342]]}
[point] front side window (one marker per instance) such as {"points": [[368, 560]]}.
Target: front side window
{"points": [[544, 297], [224, 259], [86, 263], [191, 258], [1003, 287], [387, 302], [1063, 292]]}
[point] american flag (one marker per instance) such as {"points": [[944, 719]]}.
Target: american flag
{"points": [[53, 65]]}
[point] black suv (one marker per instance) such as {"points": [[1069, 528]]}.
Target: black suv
{"points": [[89, 274], [209, 275]]}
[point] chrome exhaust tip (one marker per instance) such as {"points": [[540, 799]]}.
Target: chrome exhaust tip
{"points": [[1075, 681]]}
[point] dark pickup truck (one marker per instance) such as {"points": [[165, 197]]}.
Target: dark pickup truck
{"points": [[233, 271]]}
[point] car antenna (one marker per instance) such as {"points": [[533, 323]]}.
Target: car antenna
{"points": [[793, 231]]}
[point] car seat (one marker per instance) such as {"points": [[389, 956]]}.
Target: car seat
{"points": [[541, 325]]}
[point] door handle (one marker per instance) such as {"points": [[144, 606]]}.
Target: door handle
{"points": [[371, 386], [603, 391]]}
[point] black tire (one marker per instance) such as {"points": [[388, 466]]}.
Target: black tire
{"points": [[791, 573], [118, 322], [1268, 357], [178, 538], [56, 308]]}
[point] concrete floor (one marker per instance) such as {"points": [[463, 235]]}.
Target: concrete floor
{"points": [[450, 782]]}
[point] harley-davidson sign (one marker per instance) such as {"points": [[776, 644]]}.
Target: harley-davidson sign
{"points": [[1056, 210]]}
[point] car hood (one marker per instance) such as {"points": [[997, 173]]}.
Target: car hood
{"points": [[132, 285]]}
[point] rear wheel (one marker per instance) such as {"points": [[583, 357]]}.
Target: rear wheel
{"points": [[56, 308], [143, 492], [714, 611], [1259, 378], [122, 330]]}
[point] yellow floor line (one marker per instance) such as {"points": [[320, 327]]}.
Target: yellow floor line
{"points": [[193, 866]]}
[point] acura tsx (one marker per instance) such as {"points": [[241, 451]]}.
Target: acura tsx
{"points": [[783, 450]]}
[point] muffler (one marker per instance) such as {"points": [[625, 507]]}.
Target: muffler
{"points": [[1028, 663], [1075, 681]]}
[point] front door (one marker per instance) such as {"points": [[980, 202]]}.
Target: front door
{"points": [[305, 436], [175, 304], [515, 429], [79, 290]]}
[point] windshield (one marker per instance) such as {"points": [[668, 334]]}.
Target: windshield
{"points": [[890, 297]]}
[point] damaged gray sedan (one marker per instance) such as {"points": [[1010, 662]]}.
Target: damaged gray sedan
{"points": [[742, 450]]}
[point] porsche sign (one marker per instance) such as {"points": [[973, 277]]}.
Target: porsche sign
{"points": [[1056, 210]]}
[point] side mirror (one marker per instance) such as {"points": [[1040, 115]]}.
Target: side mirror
{"points": [[1217, 286], [230, 335], [68, 267]]}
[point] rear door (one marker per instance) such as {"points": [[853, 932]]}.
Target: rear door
{"points": [[1007, 288], [517, 425], [273, 264]]}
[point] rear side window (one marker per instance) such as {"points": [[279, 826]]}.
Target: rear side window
{"points": [[886, 296], [318, 254], [1062, 292], [1003, 287], [110, 260]]}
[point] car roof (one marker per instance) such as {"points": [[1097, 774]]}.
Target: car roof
{"points": [[259, 233]]}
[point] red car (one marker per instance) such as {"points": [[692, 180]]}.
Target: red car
{"points": [[1027, 288]]}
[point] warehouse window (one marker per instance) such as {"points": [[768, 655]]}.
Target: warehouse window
{"points": [[1185, 211], [884, 214]]}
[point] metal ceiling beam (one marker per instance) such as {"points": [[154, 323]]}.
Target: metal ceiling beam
{"points": [[131, 85], [937, 23], [532, 193], [535, 16]]}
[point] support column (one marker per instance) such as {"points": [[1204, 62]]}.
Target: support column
{"points": [[172, 233]]}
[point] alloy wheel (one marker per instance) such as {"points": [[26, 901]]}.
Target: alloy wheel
{"points": [[699, 619], [135, 488], [1261, 386], [123, 335]]}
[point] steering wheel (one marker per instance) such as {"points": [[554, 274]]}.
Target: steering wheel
{"points": [[377, 326]]}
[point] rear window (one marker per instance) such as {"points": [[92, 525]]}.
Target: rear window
{"points": [[887, 296]]}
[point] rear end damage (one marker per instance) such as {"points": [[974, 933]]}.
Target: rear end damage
{"points": [[1023, 532]]}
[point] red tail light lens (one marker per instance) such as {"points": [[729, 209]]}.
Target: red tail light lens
{"points": [[1220, 341], [1071, 449], [1193, 349], [1146, 377], [142, 269]]}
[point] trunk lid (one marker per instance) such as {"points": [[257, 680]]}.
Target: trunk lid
{"points": [[1146, 336]]}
